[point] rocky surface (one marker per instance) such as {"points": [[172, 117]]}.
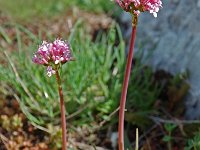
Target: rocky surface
{"points": [[173, 40]]}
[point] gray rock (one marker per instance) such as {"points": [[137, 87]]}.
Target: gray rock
{"points": [[173, 38]]}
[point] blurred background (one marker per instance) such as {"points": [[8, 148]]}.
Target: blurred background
{"points": [[163, 95]]}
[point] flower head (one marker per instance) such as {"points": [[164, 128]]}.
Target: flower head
{"points": [[137, 6], [52, 54]]}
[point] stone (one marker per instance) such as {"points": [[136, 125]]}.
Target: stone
{"points": [[173, 40]]}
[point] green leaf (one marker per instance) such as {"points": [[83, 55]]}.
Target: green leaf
{"points": [[170, 127], [167, 138]]}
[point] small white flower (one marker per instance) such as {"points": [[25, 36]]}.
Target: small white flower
{"points": [[50, 71]]}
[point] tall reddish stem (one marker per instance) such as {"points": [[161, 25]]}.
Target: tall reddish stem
{"points": [[124, 89], [62, 108]]}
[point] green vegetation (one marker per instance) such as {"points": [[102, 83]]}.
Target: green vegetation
{"points": [[142, 95], [91, 83], [29, 9], [168, 138], [194, 142]]}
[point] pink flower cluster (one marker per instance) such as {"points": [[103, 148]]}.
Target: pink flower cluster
{"points": [[51, 54], [137, 6]]}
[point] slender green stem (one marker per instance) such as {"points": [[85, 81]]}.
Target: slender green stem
{"points": [[62, 108], [125, 86]]}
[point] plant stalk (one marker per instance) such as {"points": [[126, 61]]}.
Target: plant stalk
{"points": [[62, 108], [125, 85], [137, 140], [169, 144]]}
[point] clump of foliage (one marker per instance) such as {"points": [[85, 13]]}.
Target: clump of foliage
{"points": [[142, 95], [168, 138], [91, 82], [193, 143]]}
